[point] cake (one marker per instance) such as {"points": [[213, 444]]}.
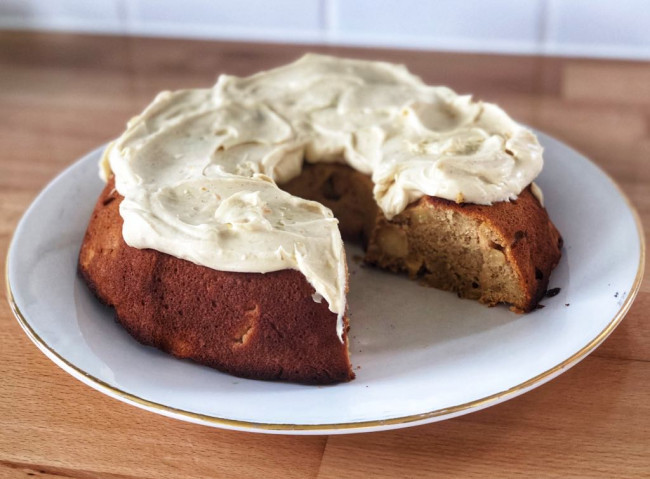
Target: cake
{"points": [[218, 236]]}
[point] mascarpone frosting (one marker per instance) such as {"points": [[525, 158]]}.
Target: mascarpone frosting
{"points": [[199, 168]]}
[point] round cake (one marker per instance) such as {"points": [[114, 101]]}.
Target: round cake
{"points": [[219, 234]]}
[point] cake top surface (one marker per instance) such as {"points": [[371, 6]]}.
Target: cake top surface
{"points": [[199, 168]]}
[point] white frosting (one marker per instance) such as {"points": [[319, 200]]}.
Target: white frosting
{"points": [[199, 168], [537, 193]]}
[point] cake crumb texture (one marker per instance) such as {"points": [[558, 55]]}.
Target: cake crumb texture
{"points": [[500, 253]]}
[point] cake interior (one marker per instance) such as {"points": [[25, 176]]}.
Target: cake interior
{"points": [[437, 242]]}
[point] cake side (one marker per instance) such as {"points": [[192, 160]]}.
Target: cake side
{"points": [[253, 325], [345, 191], [502, 253]]}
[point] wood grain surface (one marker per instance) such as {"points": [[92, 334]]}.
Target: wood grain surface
{"points": [[62, 95]]}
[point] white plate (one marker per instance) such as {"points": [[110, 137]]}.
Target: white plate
{"points": [[423, 355]]}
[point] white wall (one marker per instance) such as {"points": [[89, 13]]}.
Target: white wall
{"points": [[598, 28]]}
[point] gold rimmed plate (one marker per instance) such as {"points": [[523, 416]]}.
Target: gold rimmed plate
{"points": [[421, 355]]}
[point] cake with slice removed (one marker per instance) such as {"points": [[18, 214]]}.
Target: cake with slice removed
{"points": [[215, 239]]}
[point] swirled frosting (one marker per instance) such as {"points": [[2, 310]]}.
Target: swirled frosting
{"points": [[199, 168]]}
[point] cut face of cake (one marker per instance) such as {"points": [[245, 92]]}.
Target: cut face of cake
{"points": [[499, 253], [218, 237]]}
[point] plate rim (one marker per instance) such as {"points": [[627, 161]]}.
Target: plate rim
{"points": [[330, 428]]}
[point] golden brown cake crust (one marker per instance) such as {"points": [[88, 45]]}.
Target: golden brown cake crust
{"points": [[260, 326]]}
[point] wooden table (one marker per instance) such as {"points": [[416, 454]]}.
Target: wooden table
{"points": [[62, 95]]}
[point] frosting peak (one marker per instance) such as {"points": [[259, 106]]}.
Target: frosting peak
{"points": [[199, 169]]}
